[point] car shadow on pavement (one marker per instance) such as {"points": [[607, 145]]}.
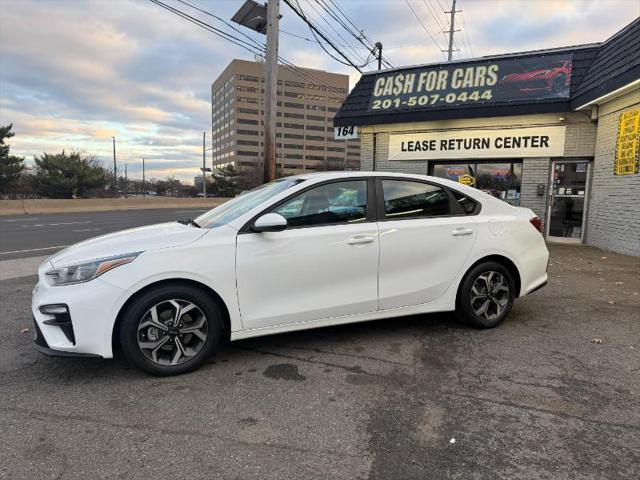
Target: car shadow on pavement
{"points": [[357, 338]]}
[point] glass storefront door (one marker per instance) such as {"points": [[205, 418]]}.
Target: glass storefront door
{"points": [[568, 200]]}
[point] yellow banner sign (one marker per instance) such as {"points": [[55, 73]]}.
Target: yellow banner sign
{"points": [[628, 143], [465, 179]]}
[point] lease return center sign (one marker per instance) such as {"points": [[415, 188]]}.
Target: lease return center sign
{"points": [[470, 144]]}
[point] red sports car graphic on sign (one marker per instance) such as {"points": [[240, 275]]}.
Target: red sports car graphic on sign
{"points": [[555, 78]]}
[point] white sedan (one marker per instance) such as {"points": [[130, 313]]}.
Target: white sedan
{"points": [[301, 252]]}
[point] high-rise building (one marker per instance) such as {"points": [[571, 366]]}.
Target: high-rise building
{"points": [[306, 106]]}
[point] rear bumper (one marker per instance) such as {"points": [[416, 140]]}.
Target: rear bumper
{"points": [[535, 289]]}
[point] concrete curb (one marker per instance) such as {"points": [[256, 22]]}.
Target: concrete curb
{"points": [[41, 206]]}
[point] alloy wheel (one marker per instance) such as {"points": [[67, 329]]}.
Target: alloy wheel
{"points": [[172, 331], [489, 295]]}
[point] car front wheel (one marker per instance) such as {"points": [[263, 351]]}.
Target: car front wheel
{"points": [[170, 329], [486, 295]]}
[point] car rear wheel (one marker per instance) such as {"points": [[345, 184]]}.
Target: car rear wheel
{"points": [[171, 329], [486, 295]]}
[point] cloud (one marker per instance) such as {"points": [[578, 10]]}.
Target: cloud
{"points": [[73, 74]]}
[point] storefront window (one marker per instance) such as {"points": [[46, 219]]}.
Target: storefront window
{"points": [[500, 179]]}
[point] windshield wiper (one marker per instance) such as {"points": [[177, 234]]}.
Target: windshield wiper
{"points": [[189, 221]]}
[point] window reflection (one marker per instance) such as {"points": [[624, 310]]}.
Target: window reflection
{"points": [[500, 179]]}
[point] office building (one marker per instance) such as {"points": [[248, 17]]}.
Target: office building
{"points": [[307, 103]]}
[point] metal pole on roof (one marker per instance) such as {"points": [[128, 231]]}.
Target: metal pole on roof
{"points": [[452, 30], [379, 47]]}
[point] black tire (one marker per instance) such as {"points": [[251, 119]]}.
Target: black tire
{"points": [[133, 333], [467, 307]]}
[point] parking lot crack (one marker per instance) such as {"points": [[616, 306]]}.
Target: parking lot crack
{"points": [[354, 355], [170, 431], [545, 411]]}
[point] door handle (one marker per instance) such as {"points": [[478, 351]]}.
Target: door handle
{"points": [[360, 239], [458, 232]]}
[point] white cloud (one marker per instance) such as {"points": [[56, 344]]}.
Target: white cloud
{"points": [[73, 74]]}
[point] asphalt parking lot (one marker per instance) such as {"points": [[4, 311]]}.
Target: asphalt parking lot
{"points": [[554, 393]]}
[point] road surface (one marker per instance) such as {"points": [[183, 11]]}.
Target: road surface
{"points": [[553, 393], [42, 235]]}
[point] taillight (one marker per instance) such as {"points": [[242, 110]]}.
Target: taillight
{"points": [[537, 223]]}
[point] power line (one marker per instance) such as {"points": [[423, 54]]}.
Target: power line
{"points": [[315, 30], [228, 24], [359, 34], [326, 37], [442, 7], [434, 15], [465, 33], [220, 33], [324, 19], [237, 41], [307, 39], [423, 26], [452, 30]]}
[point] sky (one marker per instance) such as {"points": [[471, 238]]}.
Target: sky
{"points": [[74, 73]]}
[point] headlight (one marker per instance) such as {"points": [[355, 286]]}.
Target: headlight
{"points": [[83, 272]]}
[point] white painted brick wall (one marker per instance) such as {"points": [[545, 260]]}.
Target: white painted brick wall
{"points": [[613, 222], [535, 171]]}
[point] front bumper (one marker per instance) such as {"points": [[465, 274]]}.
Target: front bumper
{"points": [[40, 344], [93, 307]]}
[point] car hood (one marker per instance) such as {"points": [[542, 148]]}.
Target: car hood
{"points": [[162, 235]]}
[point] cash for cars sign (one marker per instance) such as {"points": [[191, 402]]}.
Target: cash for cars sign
{"points": [[507, 143], [481, 82]]}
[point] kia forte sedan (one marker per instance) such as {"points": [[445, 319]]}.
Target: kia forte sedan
{"points": [[302, 252]]}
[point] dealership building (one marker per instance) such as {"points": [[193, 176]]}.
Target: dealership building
{"points": [[556, 130]]}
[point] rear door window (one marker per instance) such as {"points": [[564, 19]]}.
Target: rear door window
{"points": [[408, 199]]}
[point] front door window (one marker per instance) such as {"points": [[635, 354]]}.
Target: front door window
{"points": [[567, 203], [329, 204]]}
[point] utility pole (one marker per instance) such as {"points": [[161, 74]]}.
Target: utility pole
{"points": [[144, 190], [126, 184], [271, 86], [115, 168], [204, 166], [379, 47], [452, 30]]}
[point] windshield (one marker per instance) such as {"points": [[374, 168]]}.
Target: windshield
{"points": [[229, 211]]}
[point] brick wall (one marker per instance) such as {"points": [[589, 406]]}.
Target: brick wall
{"points": [[580, 137], [613, 221], [535, 171]]}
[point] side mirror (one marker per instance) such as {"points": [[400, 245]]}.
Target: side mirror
{"points": [[270, 222]]}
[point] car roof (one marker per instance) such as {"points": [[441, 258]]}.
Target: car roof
{"points": [[360, 173], [356, 173]]}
